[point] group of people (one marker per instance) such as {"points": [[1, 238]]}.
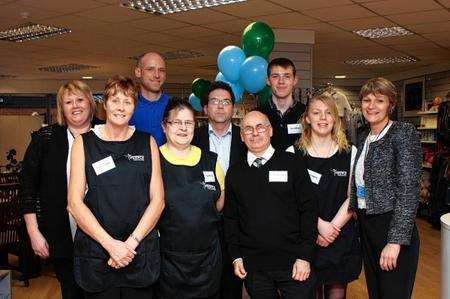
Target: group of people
{"points": [[147, 205]]}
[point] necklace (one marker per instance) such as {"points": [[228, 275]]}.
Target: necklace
{"points": [[370, 141], [320, 155]]}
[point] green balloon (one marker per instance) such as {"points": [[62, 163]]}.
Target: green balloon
{"points": [[265, 95], [199, 87], [258, 39]]}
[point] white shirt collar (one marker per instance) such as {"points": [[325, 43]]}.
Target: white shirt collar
{"points": [[266, 156], [211, 130]]}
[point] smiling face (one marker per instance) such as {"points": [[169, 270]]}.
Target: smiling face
{"points": [[119, 108], [320, 117], [256, 132], [76, 109], [179, 128], [282, 80], [376, 108], [151, 72]]}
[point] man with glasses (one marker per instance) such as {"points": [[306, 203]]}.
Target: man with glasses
{"points": [[222, 137], [150, 71], [283, 111], [270, 217]]}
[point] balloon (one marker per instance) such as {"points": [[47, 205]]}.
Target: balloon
{"points": [[229, 62], [253, 74], [195, 102], [237, 88], [258, 39], [199, 87], [265, 95]]}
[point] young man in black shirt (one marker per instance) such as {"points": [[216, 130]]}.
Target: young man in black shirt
{"points": [[283, 111], [270, 217]]}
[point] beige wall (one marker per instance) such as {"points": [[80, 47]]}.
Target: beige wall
{"points": [[15, 133]]}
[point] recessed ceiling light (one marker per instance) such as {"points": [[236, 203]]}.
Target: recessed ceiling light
{"points": [[381, 60], [383, 32], [177, 54], [30, 31], [340, 76], [162, 7], [66, 68], [87, 77]]}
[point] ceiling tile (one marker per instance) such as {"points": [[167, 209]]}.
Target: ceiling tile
{"points": [[422, 17], [157, 23], [430, 28], [337, 37], [191, 32], [389, 7], [74, 23], [62, 6], [113, 14], [285, 20], [14, 10], [304, 5], [439, 36], [363, 23], [251, 8], [235, 26], [401, 40], [154, 37], [446, 3], [339, 13], [317, 27], [200, 16]]}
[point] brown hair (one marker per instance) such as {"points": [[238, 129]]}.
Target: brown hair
{"points": [[381, 86], [337, 134], [73, 87], [122, 84]]}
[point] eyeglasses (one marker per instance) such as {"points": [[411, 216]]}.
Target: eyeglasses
{"points": [[179, 124], [261, 128], [224, 102]]}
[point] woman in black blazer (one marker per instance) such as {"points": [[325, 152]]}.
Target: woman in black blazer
{"points": [[44, 179], [386, 194]]}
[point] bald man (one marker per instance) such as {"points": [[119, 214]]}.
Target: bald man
{"points": [[270, 217], [150, 71]]}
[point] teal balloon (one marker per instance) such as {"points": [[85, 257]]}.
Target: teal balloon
{"points": [[195, 103], [199, 87], [258, 39], [229, 62], [237, 88], [253, 74], [265, 95]]}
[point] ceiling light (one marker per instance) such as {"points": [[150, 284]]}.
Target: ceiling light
{"points": [[87, 77], [381, 60], [30, 31], [177, 54], [340, 76], [162, 7], [383, 32], [66, 68]]}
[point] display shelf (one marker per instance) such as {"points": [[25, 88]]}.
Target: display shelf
{"points": [[427, 112], [428, 141], [427, 166]]}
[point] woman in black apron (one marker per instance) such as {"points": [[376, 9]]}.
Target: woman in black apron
{"points": [[116, 250], [193, 182], [328, 157]]}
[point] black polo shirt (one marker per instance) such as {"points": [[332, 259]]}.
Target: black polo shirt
{"points": [[286, 128]]}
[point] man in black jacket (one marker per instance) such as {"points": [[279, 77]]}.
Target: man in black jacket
{"points": [[222, 137], [270, 217]]}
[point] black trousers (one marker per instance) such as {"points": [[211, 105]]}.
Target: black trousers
{"points": [[122, 293], [64, 273], [230, 284], [272, 284], [381, 284]]}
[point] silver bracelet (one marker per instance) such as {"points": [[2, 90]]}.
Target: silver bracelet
{"points": [[135, 238]]}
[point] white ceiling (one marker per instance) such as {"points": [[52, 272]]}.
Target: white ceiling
{"points": [[104, 34]]}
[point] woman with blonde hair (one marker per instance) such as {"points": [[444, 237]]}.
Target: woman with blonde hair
{"points": [[44, 178], [329, 160]]}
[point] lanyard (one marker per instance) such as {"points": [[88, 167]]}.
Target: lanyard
{"points": [[376, 139]]}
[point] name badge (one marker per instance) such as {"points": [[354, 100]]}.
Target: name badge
{"points": [[361, 203], [103, 165], [209, 176], [361, 191], [294, 128], [314, 176], [278, 176]]}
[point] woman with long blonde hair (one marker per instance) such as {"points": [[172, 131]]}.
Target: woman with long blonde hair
{"points": [[329, 159]]}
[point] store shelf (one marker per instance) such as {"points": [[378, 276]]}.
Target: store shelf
{"points": [[427, 128], [426, 112], [428, 141], [426, 166]]}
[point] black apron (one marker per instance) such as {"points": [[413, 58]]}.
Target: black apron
{"points": [[190, 248], [118, 199]]}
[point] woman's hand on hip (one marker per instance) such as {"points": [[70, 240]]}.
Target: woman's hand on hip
{"points": [[389, 255]]}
